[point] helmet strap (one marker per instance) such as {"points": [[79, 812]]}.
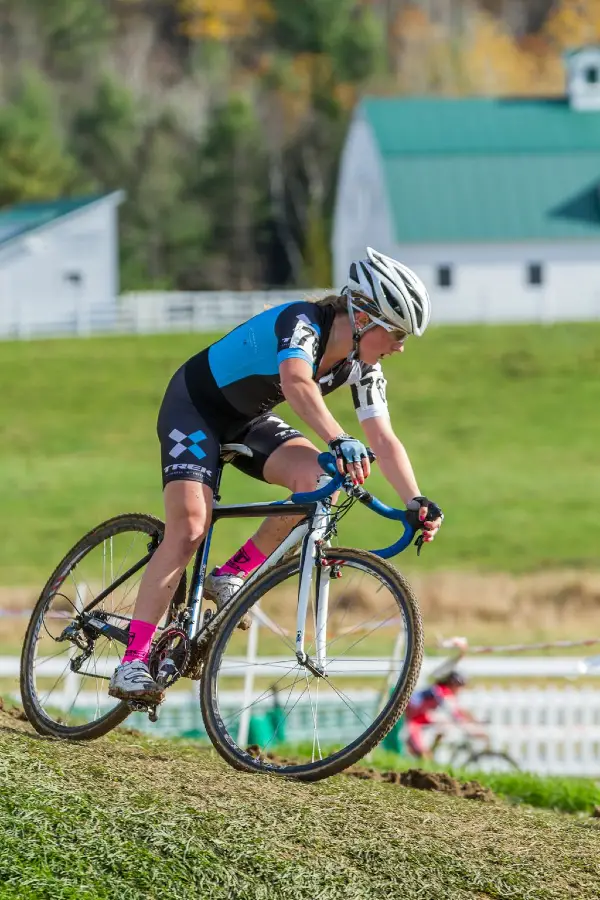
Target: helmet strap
{"points": [[357, 333]]}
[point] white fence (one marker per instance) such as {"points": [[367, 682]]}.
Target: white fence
{"points": [[146, 313], [171, 311], [547, 730]]}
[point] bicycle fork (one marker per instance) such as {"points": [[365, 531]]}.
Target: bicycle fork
{"points": [[309, 563]]}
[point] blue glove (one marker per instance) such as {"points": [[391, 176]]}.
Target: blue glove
{"points": [[348, 449]]}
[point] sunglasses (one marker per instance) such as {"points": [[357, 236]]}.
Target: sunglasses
{"points": [[398, 334]]}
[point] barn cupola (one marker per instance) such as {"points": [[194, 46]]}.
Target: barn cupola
{"points": [[583, 78]]}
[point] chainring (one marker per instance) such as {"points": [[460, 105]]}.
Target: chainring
{"points": [[170, 657], [195, 663]]}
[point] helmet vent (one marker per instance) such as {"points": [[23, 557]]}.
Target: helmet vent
{"points": [[369, 278]]}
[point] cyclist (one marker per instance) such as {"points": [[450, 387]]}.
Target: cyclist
{"points": [[297, 352], [442, 695]]}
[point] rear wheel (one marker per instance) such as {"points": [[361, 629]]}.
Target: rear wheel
{"points": [[491, 761], [67, 659], [266, 712]]}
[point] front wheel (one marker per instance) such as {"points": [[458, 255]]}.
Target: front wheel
{"points": [[264, 711]]}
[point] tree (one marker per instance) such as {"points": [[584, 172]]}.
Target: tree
{"points": [[105, 134], [493, 62], [326, 49], [34, 163], [122, 146], [223, 20], [231, 186], [574, 23], [72, 32]]}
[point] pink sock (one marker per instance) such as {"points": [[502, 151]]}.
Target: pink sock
{"points": [[140, 640], [244, 561]]}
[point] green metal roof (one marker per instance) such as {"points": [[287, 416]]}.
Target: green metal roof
{"points": [[18, 220], [488, 169]]}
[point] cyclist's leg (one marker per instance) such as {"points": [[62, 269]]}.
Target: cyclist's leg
{"points": [[293, 465], [281, 455], [190, 451], [415, 741], [189, 458], [188, 508]]}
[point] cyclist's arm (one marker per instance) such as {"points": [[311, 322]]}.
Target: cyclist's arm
{"points": [[305, 398], [392, 457], [450, 707]]}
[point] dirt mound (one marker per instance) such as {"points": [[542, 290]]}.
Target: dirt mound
{"points": [[13, 713], [428, 781], [413, 778]]}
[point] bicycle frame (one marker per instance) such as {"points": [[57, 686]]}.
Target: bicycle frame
{"points": [[310, 533], [307, 533]]}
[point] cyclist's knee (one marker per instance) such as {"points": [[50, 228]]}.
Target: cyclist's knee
{"points": [[185, 536], [294, 466], [305, 478], [188, 509]]}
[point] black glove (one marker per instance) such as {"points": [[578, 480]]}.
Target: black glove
{"points": [[413, 507], [348, 449]]}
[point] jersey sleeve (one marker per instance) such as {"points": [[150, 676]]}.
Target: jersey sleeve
{"points": [[367, 384], [298, 333]]}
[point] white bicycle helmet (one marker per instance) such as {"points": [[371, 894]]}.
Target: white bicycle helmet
{"points": [[388, 291]]}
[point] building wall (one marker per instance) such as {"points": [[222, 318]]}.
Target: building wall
{"points": [[58, 272], [362, 216], [490, 281], [583, 79]]}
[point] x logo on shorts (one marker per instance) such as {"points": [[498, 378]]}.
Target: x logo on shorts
{"points": [[193, 446]]}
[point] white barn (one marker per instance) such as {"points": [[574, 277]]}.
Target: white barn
{"points": [[494, 202], [58, 263]]}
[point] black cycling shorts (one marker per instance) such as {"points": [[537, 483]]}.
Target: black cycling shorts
{"points": [[190, 441]]}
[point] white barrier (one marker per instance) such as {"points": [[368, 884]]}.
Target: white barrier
{"points": [[162, 312], [149, 312]]}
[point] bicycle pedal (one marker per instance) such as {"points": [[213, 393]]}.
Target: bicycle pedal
{"points": [[144, 706], [153, 712], [137, 705]]}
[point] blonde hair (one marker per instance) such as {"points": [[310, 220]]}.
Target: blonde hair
{"points": [[337, 302]]}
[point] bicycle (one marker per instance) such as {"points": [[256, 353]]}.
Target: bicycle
{"points": [[471, 752], [85, 609]]}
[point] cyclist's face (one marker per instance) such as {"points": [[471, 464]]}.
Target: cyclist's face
{"points": [[377, 343]]}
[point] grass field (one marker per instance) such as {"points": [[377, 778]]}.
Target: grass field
{"points": [[136, 819], [501, 423]]}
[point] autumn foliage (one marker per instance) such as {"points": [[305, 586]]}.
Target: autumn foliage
{"points": [[223, 120]]}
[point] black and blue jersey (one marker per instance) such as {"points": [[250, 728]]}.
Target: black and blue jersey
{"points": [[237, 378]]}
